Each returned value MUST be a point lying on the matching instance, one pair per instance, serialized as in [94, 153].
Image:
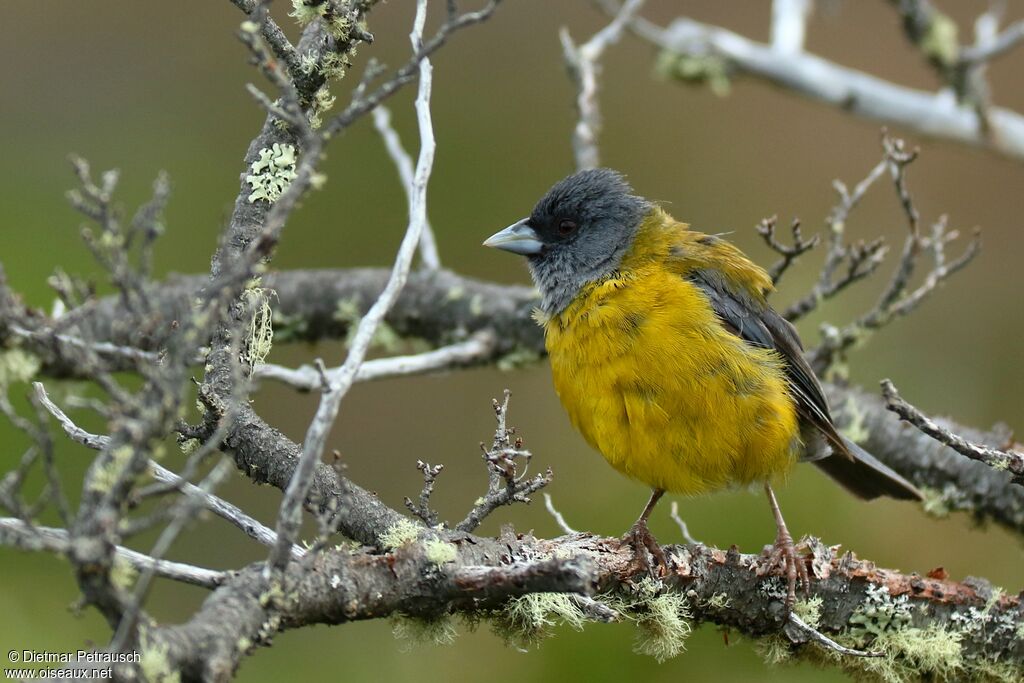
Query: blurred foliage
[141, 87]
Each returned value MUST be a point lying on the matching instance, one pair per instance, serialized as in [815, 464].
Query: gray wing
[856, 470]
[760, 325]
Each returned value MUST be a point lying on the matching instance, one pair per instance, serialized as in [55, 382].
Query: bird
[670, 361]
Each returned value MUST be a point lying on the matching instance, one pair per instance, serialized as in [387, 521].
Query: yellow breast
[663, 391]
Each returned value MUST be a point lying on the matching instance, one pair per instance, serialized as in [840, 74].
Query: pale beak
[519, 238]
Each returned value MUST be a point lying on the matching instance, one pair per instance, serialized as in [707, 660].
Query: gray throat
[559, 279]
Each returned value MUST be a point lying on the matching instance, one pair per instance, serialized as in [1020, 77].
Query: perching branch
[850, 601]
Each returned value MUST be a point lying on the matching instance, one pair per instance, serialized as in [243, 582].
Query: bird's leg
[639, 537]
[783, 553]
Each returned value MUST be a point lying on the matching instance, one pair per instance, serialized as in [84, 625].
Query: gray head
[577, 233]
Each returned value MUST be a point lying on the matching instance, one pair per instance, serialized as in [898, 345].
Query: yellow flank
[656, 384]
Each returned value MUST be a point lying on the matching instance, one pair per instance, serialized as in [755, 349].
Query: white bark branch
[220, 507]
[789, 24]
[338, 382]
[934, 114]
[18, 533]
[584, 66]
[307, 378]
[403, 162]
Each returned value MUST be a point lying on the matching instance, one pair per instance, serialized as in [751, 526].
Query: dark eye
[566, 227]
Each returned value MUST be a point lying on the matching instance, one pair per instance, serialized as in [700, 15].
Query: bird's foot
[640, 539]
[783, 556]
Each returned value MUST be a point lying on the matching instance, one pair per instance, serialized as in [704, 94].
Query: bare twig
[1001, 460]
[341, 380]
[862, 260]
[32, 537]
[766, 228]
[1008, 39]
[252, 527]
[505, 484]
[584, 66]
[423, 509]
[403, 162]
[811, 633]
[559, 519]
[272, 33]
[306, 378]
[684, 529]
[365, 101]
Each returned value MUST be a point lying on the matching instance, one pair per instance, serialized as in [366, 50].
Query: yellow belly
[665, 393]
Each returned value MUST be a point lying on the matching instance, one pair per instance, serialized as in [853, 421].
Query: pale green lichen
[335, 65]
[856, 429]
[662, 627]
[153, 661]
[340, 27]
[107, 474]
[17, 365]
[941, 42]
[272, 173]
[261, 327]
[774, 649]
[122, 573]
[718, 601]
[322, 102]
[528, 619]
[400, 533]
[939, 503]
[188, 446]
[348, 545]
[519, 357]
[710, 69]
[273, 595]
[913, 654]
[415, 631]
[809, 610]
[384, 337]
[304, 11]
[307, 63]
[476, 305]
[880, 612]
[439, 552]
[244, 645]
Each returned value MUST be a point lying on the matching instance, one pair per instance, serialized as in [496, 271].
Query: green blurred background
[143, 86]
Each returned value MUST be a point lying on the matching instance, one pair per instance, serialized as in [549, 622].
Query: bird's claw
[783, 556]
[640, 539]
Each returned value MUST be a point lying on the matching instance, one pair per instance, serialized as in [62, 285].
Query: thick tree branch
[998, 459]
[435, 303]
[849, 599]
[935, 114]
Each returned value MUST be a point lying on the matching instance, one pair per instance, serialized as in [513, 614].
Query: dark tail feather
[865, 476]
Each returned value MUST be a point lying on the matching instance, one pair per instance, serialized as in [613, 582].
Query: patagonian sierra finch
[669, 360]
